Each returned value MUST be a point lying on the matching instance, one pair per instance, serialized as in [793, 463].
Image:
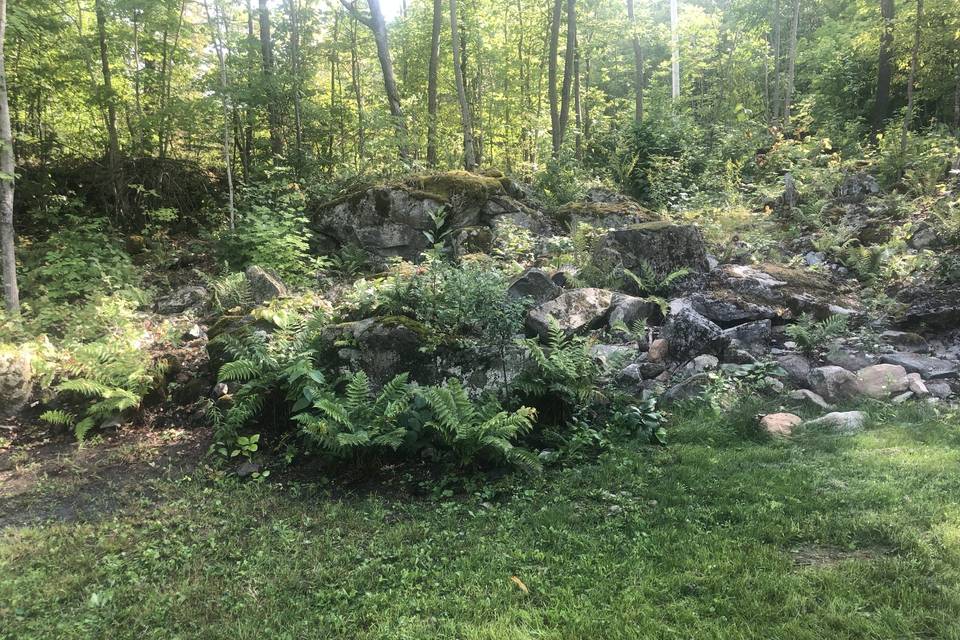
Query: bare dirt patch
[827, 556]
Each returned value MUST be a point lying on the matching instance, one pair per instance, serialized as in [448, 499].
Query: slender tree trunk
[881, 106]
[11, 293]
[334, 96]
[378, 26]
[956, 100]
[166, 81]
[293, 9]
[432, 82]
[266, 54]
[577, 106]
[586, 101]
[552, 95]
[914, 64]
[791, 64]
[777, 60]
[136, 82]
[214, 19]
[569, 52]
[249, 115]
[113, 142]
[469, 157]
[357, 93]
[674, 50]
[637, 64]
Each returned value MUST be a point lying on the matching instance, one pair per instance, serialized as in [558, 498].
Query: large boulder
[932, 308]
[574, 311]
[835, 384]
[753, 337]
[399, 219]
[15, 380]
[381, 347]
[856, 187]
[690, 334]
[789, 292]
[181, 300]
[727, 310]
[663, 246]
[628, 309]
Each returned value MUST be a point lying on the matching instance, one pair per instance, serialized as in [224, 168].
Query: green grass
[720, 535]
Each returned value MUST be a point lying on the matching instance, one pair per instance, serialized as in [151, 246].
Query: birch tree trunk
[552, 96]
[11, 293]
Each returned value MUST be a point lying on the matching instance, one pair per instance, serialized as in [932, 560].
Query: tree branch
[351, 8]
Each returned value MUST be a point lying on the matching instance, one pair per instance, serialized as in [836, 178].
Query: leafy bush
[272, 229]
[560, 182]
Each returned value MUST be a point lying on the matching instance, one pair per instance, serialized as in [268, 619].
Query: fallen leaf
[517, 581]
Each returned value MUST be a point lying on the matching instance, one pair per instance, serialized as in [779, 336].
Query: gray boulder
[15, 381]
[928, 367]
[850, 360]
[534, 284]
[690, 334]
[790, 292]
[797, 367]
[574, 311]
[882, 380]
[181, 300]
[932, 308]
[729, 310]
[264, 286]
[628, 309]
[809, 397]
[610, 354]
[688, 389]
[844, 422]
[753, 337]
[835, 384]
[855, 187]
[663, 246]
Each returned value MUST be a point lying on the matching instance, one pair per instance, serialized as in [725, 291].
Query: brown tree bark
[638, 70]
[266, 53]
[432, 83]
[914, 64]
[469, 157]
[568, 70]
[11, 293]
[881, 106]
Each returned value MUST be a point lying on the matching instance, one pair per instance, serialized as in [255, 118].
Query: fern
[475, 433]
[58, 417]
[648, 282]
[809, 334]
[230, 292]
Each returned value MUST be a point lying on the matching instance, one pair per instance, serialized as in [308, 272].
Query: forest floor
[719, 535]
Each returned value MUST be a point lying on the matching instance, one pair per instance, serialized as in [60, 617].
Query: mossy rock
[444, 186]
[604, 214]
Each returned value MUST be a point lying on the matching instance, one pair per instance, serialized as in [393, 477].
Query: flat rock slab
[928, 367]
[573, 311]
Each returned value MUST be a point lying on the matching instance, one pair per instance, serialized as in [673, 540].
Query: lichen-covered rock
[663, 246]
[690, 334]
[843, 422]
[606, 215]
[809, 397]
[726, 309]
[836, 384]
[855, 187]
[381, 347]
[935, 308]
[687, 389]
[628, 309]
[754, 337]
[397, 219]
[798, 368]
[789, 292]
[928, 367]
[15, 380]
[264, 286]
[181, 300]
[534, 284]
[574, 311]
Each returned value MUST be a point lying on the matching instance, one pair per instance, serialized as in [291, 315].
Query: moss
[442, 186]
[417, 327]
[656, 225]
[597, 210]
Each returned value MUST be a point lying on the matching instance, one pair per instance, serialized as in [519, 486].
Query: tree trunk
[469, 157]
[791, 64]
[166, 80]
[136, 83]
[113, 143]
[577, 105]
[777, 61]
[247, 159]
[881, 106]
[586, 101]
[432, 82]
[552, 95]
[293, 10]
[956, 101]
[674, 50]
[11, 293]
[214, 19]
[569, 52]
[914, 64]
[357, 93]
[637, 65]
[266, 53]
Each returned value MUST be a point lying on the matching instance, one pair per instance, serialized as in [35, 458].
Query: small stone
[264, 286]
[903, 397]
[247, 468]
[193, 333]
[658, 351]
[939, 389]
[773, 384]
[702, 363]
[805, 395]
[779, 424]
[219, 390]
[917, 386]
[834, 383]
[534, 284]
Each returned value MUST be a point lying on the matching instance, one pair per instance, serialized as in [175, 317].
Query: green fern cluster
[231, 291]
[100, 381]
[648, 282]
[809, 334]
[563, 374]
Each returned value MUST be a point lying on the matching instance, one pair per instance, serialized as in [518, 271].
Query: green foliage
[361, 420]
[648, 282]
[810, 334]
[562, 377]
[560, 182]
[272, 229]
[231, 291]
[643, 421]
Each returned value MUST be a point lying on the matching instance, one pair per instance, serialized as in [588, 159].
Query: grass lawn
[719, 535]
